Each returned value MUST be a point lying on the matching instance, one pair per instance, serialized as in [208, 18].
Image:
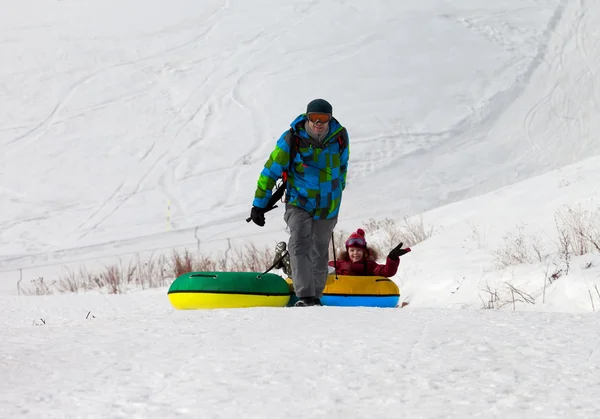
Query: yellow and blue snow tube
[356, 291]
[208, 290]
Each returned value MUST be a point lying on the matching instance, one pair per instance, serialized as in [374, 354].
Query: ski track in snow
[533, 141]
[39, 129]
[156, 155]
[463, 133]
[575, 35]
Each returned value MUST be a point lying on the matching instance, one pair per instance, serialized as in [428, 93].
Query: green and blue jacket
[317, 174]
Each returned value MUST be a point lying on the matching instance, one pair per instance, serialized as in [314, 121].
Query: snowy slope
[131, 126]
[457, 265]
[127, 126]
[134, 357]
[542, 117]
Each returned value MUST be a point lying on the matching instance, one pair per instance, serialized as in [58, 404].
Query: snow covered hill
[136, 126]
[132, 125]
[513, 239]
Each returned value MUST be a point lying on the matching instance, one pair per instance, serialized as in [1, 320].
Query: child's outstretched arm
[389, 269]
[392, 262]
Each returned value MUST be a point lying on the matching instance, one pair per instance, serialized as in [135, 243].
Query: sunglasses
[356, 242]
[315, 117]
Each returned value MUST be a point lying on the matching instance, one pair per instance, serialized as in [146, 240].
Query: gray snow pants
[309, 250]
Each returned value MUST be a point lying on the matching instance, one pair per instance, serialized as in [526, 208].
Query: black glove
[398, 251]
[258, 216]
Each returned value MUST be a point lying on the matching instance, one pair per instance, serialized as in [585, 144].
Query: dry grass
[409, 231]
[578, 233]
[580, 229]
[153, 272]
[495, 299]
[519, 248]
[162, 270]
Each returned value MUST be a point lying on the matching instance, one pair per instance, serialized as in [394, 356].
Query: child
[360, 260]
[357, 260]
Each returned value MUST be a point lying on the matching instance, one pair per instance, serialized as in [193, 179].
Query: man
[312, 157]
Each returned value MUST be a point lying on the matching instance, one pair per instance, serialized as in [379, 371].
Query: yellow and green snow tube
[209, 290]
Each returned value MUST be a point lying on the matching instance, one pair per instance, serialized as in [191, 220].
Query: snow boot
[308, 302]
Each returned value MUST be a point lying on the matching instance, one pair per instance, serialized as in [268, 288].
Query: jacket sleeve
[388, 270]
[277, 163]
[344, 161]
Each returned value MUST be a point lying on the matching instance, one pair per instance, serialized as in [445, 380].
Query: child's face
[355, 254]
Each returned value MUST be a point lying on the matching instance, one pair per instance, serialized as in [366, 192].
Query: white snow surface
[133, 127]
[133, 356]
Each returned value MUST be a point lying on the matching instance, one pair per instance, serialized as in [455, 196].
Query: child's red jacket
[367, 267]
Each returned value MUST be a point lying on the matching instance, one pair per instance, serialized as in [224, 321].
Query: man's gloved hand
[258, 216]
[398, 251]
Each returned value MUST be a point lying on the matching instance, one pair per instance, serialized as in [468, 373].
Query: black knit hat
[319, 106]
